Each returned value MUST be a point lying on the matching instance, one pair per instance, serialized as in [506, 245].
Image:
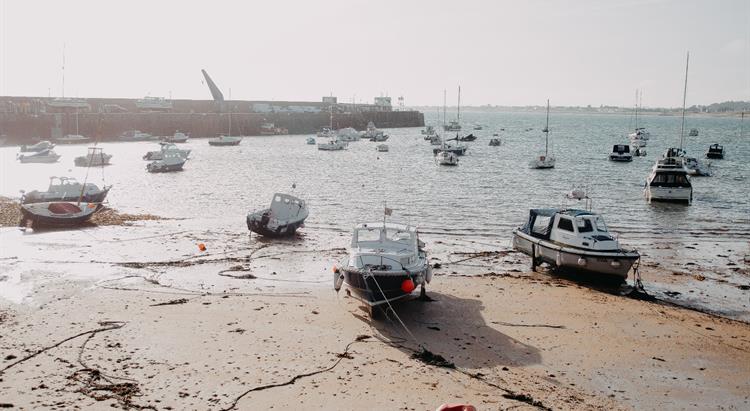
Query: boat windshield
[600, 226]
[584, 225]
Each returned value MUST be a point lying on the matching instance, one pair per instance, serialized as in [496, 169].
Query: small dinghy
[44, 156]
[171, 161]
[715, 151]
[621, 152]
[35, 148]
[67, 189]
[387, 261]
[57, 213]
[165, 147]
[286, 214]
[574, 239]
[95, 157]
[225, 141]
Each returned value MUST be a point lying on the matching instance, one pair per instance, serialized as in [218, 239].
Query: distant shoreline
[581, 110]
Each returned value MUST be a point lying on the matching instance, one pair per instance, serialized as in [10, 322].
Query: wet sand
[139, 317]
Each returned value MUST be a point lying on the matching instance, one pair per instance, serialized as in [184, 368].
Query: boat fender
[558, 259]
[428, 275]
[582, 262]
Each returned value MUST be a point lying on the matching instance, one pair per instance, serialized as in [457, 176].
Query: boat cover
[541, 219]
[63, 208]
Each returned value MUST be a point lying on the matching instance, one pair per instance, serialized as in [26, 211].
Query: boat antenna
[684, 99]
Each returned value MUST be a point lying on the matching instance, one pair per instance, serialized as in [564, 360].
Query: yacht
[40, 146]
[387, 262]
[170, 161]
[225, 141]
[621, 152]
[457, 149]
[574, 239]
[446, 158]
[177, 137]
[715, 151]
[669, 181]
[165, 147]
[286, 214]
[455, 125]
[546, 160]
[326, 132]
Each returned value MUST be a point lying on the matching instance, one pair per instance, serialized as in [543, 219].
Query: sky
[587, 52]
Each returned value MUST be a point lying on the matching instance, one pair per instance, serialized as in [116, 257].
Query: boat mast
[636, 110]
[546, 133]
[458, 108]
[63, 72]
[445, 94]
[684, 99]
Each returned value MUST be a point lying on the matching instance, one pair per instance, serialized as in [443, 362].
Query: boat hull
[164, 168]
[669, 194]
[364, 286]
[608, 263]
[223, 143]
[286, 230]
[41, 220]
[715, 156]
[614, 157]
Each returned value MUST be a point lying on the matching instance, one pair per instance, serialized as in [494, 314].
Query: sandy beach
[254, 324]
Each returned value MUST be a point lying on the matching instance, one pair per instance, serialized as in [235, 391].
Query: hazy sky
[500, 52]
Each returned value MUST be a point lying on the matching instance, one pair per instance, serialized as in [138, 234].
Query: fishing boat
[621, 152]
[311, 141]
[57, 213]
[165, 147]
[387, 261]
[67, 189]
[170, 161]
[494, 142]
[382, 148]
[332, 145]
[715, 151]
[177, 137]
[446, 158]
[136, 135]
[546, 160]
[669, 181]
[35, 148]
[95, 157]
[44, 156]
[225, 141]
[573, 239]
[286, 214]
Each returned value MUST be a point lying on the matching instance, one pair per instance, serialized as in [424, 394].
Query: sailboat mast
[63, 72]
[458, 108]
[546, 133]
[445, 102]
[636, 110]
[77, 133]
[684, 99]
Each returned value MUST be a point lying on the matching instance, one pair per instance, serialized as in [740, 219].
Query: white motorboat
[165, 147]
[387, 262]
[696, 167]
[35, 148]
[382, 148]
[446, 158]
[669, 181]
[640, 133]
[72, 139]
[67, 189]
[332, 145]
[136, 135]
[311, 141]
[621, 152]
[495, 142]
[573, 239]
[225, 141]
[286, 214]
[638, 151]
[348, 134]
[177, 137]
[546, 160]
[44, 156]
[95, 157]
[170, 161]
[457, 149]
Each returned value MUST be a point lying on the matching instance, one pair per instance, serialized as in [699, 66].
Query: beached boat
[546, 160]
[44, 156]
[446, 158]
[286, 214]
[170, 161]
[715, 151]
[177, 137]
[387, 261]
[95, 157]
[67, 189]
[35, 148]
[332, 145]
[382, 148]
[621, 152]
[669, 181]
[165, 147]
[573, 239]
[225, 141]
[57, 213]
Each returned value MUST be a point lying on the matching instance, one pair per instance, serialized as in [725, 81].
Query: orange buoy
[408, 285]
[202, 247]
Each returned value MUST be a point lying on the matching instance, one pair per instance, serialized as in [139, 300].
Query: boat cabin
[384, 247]
[285, 207]
[715, 151]
[621, 149]
[571, 227]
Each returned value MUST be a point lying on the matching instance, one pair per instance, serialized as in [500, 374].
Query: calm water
[487, 195]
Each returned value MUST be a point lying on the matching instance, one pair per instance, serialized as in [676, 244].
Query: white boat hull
[669, 194]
